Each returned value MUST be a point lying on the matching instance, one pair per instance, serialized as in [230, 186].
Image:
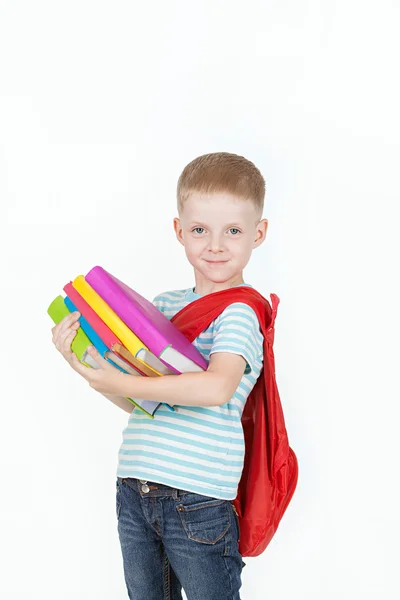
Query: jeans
[172, 538]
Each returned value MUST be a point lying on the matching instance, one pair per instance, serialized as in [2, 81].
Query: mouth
[216, 262]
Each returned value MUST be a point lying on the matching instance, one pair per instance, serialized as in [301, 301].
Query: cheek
[243, 249]
[191, 252]
[194, 247]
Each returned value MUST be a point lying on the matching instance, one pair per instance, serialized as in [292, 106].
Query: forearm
[189, 389]
[121, 402]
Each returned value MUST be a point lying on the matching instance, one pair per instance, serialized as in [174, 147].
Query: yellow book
[121, 330]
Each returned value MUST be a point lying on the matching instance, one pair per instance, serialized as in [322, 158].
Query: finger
[58, 328]
[97, 356]
[67, 341]
[67, 321]
[102, 362]
[64, 325]
[79, 367]
[64, 344]
[64, 334]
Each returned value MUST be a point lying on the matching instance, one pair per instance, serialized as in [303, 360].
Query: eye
[234, 230]
[198, 230]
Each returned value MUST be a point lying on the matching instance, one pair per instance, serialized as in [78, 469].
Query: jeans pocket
[118, 499]
[205, 520]
[237, 520]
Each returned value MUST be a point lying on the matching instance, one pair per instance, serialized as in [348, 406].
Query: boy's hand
[106, 379]
[64, 333]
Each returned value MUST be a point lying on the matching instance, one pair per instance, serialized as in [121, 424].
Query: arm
[193, 389]
[234, 347]
[213, 387]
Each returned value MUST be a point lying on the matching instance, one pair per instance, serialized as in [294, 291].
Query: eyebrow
[228, 226]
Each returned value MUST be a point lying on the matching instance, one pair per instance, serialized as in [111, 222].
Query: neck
[205, 286]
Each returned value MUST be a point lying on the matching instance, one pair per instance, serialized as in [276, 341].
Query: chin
[217, 275]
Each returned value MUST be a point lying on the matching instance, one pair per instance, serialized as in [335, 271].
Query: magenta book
[153, 328]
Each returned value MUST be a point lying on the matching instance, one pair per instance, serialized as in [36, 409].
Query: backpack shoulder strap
[197, 316]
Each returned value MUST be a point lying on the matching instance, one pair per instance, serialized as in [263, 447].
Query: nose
[216, 244]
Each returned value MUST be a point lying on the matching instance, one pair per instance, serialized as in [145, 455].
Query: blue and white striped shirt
[198, 449]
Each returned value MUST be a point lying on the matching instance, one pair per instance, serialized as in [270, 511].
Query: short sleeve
[160, 302]
[156, 301]
[170, 302]
[237, 330]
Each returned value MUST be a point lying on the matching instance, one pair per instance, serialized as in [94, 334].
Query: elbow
[223, 393]
[217, 389]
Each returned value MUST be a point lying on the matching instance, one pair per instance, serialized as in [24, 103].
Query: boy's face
[219, 232]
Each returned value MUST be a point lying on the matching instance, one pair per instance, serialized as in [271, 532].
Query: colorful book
[129, 339]
[149, 406]
[57, 310]
[133, 362]
[105, 334]
[120, 351]
[96, 341]
[154, 329]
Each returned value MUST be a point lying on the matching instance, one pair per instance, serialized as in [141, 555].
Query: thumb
[95, 354]
[92, 351]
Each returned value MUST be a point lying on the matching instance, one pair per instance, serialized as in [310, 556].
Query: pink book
[152, 327]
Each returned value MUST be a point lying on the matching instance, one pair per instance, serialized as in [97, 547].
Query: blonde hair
[222, 172]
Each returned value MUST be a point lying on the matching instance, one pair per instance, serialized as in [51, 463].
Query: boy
[178, 474]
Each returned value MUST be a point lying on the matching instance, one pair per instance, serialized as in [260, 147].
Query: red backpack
[270, 471]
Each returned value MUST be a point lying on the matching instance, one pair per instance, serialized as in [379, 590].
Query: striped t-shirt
[198, 449]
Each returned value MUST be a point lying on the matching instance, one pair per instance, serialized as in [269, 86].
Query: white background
[102, 104]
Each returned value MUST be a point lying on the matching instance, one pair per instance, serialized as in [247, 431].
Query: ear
[261, 233]
[178, 230]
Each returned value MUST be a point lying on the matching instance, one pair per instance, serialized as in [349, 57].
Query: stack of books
[136, 336]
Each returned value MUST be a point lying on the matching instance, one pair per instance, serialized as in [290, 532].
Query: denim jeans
[172, 538]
